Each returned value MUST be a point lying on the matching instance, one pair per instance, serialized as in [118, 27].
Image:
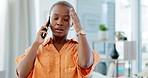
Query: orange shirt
[50, 63]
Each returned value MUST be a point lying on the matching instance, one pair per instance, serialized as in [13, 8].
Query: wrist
[81, 32]
[36, 43]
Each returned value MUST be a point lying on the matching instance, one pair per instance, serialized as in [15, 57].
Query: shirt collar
[49, 40]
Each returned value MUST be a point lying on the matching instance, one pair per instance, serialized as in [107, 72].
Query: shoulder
[72, 45]
[72, 41]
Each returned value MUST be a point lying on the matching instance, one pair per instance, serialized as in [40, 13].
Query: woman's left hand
[75, 20]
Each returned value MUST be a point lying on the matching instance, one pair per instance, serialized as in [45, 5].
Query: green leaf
[102, 27]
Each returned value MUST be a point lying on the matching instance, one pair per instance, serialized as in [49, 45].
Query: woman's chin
[59, 35]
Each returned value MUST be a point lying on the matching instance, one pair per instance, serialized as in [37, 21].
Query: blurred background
[21, 19]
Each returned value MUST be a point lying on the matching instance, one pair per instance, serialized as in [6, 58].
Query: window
[123, 17]
[144, 24]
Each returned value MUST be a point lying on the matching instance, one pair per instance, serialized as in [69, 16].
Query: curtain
[2, 14]
[19, 32]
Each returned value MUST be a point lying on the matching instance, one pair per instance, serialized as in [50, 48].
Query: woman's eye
[55, 18]
[65, 19]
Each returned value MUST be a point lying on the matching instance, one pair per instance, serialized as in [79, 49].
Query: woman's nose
[60, 22]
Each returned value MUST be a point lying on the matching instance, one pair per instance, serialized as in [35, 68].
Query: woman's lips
[59, 30]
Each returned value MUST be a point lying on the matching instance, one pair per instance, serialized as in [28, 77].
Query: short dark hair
[61, 3]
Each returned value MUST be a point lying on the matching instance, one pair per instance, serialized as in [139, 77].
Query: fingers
[74, 15]
[45, 28]
[75, 19]
[41, 32]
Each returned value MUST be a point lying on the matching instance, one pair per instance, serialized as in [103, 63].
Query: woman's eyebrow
[63, 15]
[66, 15]
[55, 14]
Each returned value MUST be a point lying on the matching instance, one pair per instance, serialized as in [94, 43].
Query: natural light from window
[123, 23]
[144, 24]
[123, 17]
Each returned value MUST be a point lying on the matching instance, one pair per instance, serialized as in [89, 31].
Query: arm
[85, 55]
[27, 63]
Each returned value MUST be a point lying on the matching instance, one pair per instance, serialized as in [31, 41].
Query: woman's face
[60, 20]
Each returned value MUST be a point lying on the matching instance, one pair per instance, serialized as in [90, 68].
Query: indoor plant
[102, 32]
[102, 27]
[120, 35]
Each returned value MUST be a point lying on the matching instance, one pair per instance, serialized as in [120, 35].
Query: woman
[58, 57]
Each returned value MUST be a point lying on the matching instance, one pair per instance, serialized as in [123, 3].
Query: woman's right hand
[43, 30]
[27, 63]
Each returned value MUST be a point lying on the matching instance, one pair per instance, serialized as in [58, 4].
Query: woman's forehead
[60, 10]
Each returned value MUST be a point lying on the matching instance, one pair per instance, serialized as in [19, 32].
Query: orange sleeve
[18, 59]
[86, 72]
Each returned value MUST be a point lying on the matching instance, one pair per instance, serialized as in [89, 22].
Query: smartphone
[43, 35]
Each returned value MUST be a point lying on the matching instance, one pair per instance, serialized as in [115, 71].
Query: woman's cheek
[51, 28]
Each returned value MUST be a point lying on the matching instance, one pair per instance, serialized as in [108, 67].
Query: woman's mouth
[59, 30]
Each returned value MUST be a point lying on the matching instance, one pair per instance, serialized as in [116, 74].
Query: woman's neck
[59, 40]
